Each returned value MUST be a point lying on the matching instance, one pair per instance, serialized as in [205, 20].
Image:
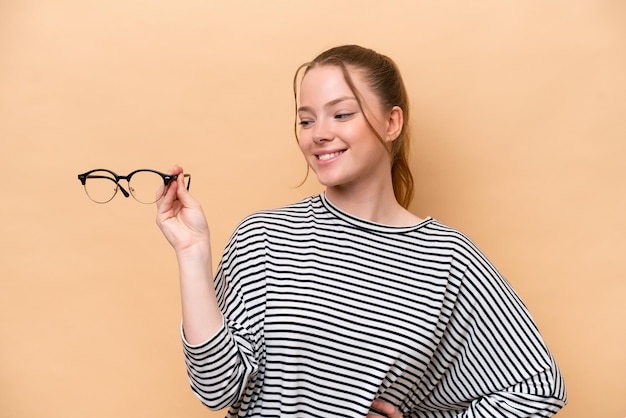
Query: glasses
[146, 186]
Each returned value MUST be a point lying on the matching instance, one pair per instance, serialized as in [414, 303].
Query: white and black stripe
[324, 312]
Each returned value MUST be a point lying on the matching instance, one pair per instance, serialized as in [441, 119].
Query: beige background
[520, 129]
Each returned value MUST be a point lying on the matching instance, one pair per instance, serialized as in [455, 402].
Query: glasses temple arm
[185, 176]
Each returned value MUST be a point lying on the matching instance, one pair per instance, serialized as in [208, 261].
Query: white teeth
[324, 157]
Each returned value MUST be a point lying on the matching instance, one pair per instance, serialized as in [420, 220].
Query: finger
[387, 409]
[176, 169]
[180, 179]
[167, 199]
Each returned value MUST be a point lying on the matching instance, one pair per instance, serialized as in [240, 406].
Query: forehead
[328, 82]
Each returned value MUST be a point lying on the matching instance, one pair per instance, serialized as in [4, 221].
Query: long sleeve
[220, 369]
[492, 360]
[542, 395]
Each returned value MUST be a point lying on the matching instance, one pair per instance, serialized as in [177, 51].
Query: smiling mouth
[324, 157]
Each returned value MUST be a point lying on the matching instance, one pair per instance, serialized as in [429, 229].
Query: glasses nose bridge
[124, 191]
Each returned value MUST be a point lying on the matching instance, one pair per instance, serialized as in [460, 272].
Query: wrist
[196, 254]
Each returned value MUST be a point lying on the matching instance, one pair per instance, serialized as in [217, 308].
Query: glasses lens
[100, 186]
[146, 186]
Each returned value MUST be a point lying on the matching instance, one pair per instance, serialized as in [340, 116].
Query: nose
[321, 133]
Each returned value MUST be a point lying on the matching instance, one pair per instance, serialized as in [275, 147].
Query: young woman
[346, 304]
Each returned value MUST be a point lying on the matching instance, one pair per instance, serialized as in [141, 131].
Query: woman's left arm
[541, 395]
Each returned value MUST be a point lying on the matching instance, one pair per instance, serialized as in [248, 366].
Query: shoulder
[291, 215]
[483, 283]
[460, 246]
[437, 232]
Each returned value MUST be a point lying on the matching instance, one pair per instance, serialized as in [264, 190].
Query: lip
[328, 156]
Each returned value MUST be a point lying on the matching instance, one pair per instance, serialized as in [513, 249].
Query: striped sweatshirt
[324, 312]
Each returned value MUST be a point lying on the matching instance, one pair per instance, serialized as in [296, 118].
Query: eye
[343, 116]
[305, 123]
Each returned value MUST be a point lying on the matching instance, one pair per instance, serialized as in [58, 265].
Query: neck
[375, 205]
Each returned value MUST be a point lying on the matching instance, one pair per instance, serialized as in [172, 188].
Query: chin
[331, 178]
[326, 182]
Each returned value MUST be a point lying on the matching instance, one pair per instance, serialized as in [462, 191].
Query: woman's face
[334, 136]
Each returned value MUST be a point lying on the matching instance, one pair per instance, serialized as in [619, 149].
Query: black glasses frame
[167, 179]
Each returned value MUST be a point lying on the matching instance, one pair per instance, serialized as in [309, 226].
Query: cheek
[304, 143]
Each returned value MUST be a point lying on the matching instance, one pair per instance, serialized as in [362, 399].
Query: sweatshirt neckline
[369, 225]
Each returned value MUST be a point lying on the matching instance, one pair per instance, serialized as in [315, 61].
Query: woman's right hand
[180, 216]
[183, 223]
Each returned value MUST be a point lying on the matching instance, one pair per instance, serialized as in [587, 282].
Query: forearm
[200, 312]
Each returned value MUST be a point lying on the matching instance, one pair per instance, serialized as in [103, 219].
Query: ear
[395, 121]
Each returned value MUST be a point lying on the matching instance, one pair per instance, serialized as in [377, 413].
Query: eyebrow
[329, 104]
